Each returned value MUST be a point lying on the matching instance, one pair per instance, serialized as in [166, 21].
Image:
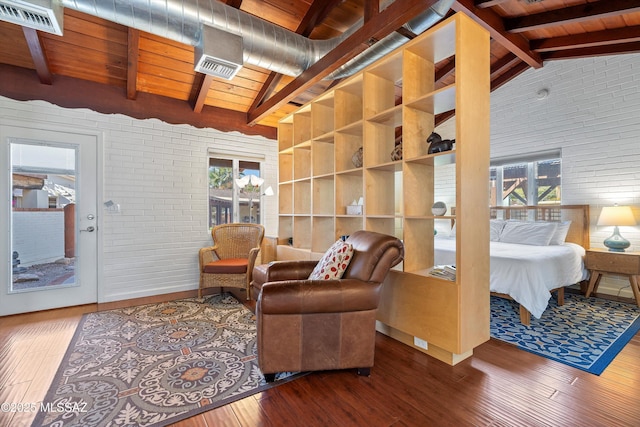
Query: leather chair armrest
[318, 296]
[288, 270]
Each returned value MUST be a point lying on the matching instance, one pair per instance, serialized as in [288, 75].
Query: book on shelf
[447, 272]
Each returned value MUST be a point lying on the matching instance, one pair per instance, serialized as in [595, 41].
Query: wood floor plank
[499, 386]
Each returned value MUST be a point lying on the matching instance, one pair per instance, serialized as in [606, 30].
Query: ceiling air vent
[218, 53]
[43, 15]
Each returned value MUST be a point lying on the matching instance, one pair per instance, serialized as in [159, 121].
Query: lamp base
[616, 243]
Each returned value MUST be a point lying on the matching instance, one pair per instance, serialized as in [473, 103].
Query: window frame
[236, 191]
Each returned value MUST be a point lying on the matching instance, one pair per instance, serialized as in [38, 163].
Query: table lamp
[616, 216]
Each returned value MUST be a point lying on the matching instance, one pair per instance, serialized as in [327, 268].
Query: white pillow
[495, 228]
[334, 262]
[528, 233]
[562, 228]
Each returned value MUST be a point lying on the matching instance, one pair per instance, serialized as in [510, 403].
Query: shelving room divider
[318, 180]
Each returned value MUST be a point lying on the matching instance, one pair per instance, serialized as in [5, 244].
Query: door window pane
[220, 192]
[43, 182]
[250, 192]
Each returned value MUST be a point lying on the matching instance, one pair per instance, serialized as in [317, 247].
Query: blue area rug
[586, 333]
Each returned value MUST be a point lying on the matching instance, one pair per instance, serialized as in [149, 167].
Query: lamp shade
[616, 215]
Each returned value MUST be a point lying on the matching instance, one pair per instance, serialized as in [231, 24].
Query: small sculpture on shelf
[438, 145]
[396, 154]
[356, 159]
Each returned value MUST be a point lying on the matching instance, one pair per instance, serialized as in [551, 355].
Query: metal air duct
[265, 45]
[417, 25]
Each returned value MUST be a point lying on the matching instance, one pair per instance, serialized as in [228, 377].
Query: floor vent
[40, 15]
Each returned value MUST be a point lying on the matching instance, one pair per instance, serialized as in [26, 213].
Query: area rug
[586, 333]
[156, 364]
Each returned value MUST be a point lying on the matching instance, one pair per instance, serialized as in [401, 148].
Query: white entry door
[49, 218]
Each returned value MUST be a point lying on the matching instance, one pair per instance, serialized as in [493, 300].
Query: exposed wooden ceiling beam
[596, 38]
[38, 55]
[17, 83]
[201, 86]
[316, 13]
[379, 26]
[233, 3]
[572, 14]
[495, 25]
[371, 9]
[509, 75]
[505, 63]
[448, 69]
[593, 51]
[133, 43]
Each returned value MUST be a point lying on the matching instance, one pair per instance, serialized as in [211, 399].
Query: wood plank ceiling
[110, 68]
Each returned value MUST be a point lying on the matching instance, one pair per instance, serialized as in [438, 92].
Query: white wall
[157, 173]
[38, 236]
[592, 114]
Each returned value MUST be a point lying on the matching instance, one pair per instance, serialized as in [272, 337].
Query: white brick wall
[157, 173]
[592, 114]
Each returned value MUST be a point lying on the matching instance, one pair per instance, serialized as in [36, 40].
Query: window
[532, 181]
[230, 199]
[220, 191]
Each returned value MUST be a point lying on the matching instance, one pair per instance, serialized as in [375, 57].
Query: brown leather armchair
[315, 325]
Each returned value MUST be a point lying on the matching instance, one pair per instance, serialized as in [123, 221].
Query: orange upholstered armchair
[313, 325]
[229, 262]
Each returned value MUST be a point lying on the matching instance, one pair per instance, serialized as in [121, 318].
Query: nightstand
[623, 263]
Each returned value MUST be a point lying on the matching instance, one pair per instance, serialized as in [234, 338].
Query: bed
[535, 250]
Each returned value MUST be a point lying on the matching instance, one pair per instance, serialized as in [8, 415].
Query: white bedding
[525, 272]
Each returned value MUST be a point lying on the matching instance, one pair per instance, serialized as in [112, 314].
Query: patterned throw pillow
[334, 262]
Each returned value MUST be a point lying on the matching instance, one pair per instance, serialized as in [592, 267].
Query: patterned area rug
[156, 364]
[586, 333]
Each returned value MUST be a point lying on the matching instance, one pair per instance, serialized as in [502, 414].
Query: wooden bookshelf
[318, 179]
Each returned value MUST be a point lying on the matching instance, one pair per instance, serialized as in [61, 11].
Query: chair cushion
[227, 266]
[334, 262]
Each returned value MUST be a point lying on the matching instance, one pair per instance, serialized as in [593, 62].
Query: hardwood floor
[499, 386]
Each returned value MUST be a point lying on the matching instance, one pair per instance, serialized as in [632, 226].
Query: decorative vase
[439, 208]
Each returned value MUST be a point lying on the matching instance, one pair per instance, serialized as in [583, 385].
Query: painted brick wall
[157, 173]
[592, 114]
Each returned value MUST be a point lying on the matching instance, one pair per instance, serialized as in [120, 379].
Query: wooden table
[600, 261]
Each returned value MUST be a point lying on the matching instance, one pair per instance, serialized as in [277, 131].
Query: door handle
[90, 229]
